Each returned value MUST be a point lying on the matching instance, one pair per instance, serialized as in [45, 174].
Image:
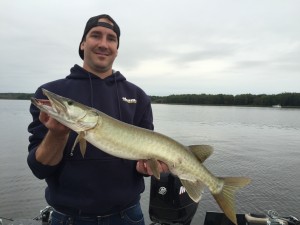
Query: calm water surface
[261, 143]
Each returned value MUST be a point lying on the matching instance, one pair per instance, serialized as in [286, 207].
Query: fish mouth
[57, 102]
[55, 105]
[66, 111]
[43, 106]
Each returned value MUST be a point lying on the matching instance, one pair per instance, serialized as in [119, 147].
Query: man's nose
[103, 43]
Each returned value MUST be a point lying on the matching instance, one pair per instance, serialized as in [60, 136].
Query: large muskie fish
[130, 142]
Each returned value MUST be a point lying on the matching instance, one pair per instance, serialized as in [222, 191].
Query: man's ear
[82, 46]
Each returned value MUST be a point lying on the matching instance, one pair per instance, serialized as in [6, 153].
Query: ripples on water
[261, 143]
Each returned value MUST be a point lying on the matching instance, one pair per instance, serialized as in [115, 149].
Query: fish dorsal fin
[202, 152]
[194, 189]
[154, 166]
[82, 143]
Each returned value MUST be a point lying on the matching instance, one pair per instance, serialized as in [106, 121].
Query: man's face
[100, 49]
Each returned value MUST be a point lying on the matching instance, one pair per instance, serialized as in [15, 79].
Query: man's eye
[111, 38]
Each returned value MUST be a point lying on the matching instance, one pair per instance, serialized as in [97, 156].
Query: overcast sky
[166, 46]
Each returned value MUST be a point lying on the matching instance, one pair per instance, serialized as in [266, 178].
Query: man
[98, 188]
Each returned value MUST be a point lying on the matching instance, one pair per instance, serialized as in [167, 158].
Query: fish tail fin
[225, 198]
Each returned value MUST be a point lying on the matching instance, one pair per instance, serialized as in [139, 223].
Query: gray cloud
[198, 46]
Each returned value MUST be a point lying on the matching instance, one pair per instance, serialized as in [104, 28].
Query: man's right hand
[53, 125]
[50, 151]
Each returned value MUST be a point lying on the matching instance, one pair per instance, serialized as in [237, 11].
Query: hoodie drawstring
[92, 91]
[117, 92]
[118, 97]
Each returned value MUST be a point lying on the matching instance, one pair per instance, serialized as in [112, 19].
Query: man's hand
[143, 167]
[53, 125]
[50, 151]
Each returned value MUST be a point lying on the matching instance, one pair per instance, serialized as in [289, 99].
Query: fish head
[72, 114]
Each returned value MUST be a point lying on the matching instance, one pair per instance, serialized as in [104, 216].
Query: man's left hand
[143, 167]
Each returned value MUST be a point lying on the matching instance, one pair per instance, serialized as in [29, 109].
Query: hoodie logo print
[130, 101]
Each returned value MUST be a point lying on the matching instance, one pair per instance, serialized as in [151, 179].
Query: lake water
[260, 143]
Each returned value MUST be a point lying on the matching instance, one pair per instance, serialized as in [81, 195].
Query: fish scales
[138, 145]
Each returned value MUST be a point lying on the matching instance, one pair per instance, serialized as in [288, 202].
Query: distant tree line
[17, 96]
[283, 99]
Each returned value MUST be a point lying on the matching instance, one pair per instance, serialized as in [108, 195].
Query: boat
[173, 206]
[276, 106]
[211, 218]
[270, 218]
[170, 204]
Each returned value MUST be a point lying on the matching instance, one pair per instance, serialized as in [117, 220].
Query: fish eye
[70, 102]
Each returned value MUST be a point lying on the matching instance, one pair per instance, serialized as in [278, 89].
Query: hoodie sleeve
[38, 132]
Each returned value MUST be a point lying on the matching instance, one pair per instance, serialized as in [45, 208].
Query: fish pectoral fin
[194, 189]
[82, 143]
[202, 152]
[154, 166]
[225, 198]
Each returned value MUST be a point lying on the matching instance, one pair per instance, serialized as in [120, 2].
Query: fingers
[143, 166]
[53, 125]
[43, 117]
[164, 167]
[44, 101]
